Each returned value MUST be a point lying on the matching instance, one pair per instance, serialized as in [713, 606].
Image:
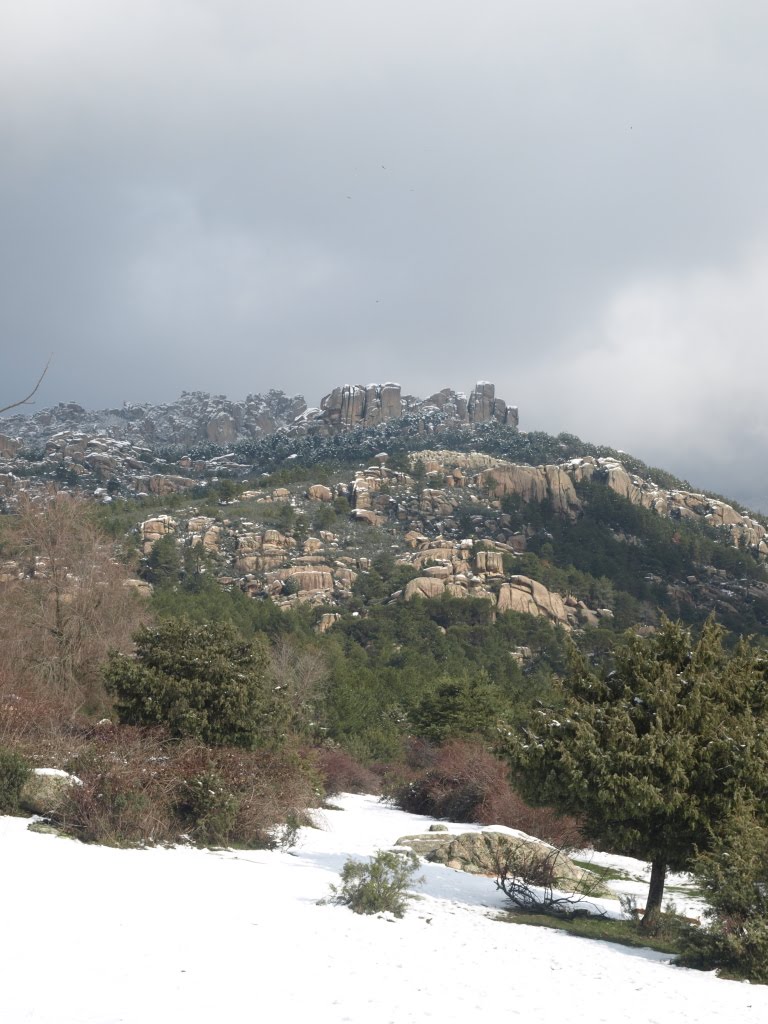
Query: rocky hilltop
[198, 418]
[466, 504]
[194, 418]
[354, 405]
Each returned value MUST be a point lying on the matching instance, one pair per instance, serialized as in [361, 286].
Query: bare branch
[530, 876]
[26, 401]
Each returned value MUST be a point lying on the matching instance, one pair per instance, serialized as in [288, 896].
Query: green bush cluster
[733, 875]
[379, 886]
[207, 809]
[203, 682]
[14, 771]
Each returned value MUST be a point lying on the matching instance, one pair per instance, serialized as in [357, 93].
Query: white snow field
[92, 935]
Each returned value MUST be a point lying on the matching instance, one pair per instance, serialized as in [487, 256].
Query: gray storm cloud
[568, 199]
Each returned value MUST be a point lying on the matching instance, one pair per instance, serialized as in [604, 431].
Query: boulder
[425, 845]
[344, 577]
[483, 853]
[366, 515]
[46, 789]
[319, 492]
[522, 594]
[152, 530]
[489, 561]
[423, 586]
[438, 571]
[140, 587]
[162, 484]
[326, 622]
[276, 539]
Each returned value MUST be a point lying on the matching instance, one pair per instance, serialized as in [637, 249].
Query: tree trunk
[652, 913]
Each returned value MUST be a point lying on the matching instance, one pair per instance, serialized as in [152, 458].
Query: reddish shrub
[342, 773]
[467, 783]
[141, 788]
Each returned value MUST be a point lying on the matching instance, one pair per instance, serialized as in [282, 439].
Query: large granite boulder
[319, 492]
[46, 789]
[522, 594]
[484, 853]
[423, 586]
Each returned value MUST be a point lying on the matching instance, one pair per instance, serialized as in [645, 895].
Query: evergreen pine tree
[733, 875]
[204, 682]
[653, 755]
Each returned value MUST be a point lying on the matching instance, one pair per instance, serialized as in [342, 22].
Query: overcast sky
[567, 198]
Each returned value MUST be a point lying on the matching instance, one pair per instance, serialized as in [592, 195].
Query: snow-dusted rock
[46, 789]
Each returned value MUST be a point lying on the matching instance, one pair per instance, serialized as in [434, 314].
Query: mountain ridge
[198, 416]
[446, 469]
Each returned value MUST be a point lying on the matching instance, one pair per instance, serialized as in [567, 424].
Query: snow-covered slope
[98, 936]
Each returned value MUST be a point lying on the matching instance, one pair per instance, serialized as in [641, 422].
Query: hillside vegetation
[361, 611]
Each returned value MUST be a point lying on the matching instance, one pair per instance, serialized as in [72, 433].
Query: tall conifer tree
[653, 754]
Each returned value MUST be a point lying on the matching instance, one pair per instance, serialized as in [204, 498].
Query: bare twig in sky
[25, 401]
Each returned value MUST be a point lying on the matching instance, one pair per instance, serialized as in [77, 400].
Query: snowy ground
[97, 936]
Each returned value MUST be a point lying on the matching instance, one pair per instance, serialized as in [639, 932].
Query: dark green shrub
[14, 771]
[734, 878]
[204, 682]
[380, 886]
[458, 709]
[208, 809]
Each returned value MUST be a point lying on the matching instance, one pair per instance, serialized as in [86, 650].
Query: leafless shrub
[342, 773]
[142, 788]
[299, 672]
[465, 782]
[530, 876]
[66, 607]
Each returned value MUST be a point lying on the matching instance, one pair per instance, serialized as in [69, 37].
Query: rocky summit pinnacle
[358, 405]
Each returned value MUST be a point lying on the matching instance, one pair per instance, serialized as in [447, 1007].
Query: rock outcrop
[525, 595]
[193, 418]
[532, 484]
[359, 405]
[487, 853]
[464, 569]
[741, 530]
[355, 405]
